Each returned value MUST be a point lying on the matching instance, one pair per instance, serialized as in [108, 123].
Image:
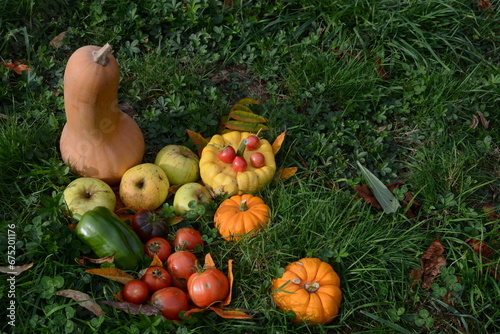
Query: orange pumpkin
[240, 215]
[310, 288]
[98, 139]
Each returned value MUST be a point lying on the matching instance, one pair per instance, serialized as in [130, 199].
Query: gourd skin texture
[98, 139]
[310, 288]
[221, 177]
[233, 223]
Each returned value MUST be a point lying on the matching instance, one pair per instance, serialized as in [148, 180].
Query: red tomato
[158, 246]
[187, 238]
[170, 301]
[148, 225]
[156, 278]
[227, 154]
[239, 164]
[181, 265]
[253, 143]
[135, 291]
[257, 159]
[207, 287]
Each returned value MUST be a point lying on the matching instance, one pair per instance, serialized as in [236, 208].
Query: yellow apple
[190, 192]
[86, 193]
[144, 186]
[179, 163]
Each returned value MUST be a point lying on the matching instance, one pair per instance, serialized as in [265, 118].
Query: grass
[393, 84]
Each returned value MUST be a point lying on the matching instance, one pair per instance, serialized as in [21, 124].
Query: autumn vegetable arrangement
[116, 203]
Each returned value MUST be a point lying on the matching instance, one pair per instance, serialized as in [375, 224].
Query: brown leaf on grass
[484, 121]
[85, 260]
[489, 210]
[474, 123]
[485, 5]
[135, 309]
[381, 70]
[57, 41]
[83, 300]
[412, 206]
[484, 252]
[366, 193]
[113, 274]
[480, 247]
[15, 270]
[431, 263]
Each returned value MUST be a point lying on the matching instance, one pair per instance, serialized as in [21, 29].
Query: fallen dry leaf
[278, 142]
[484, 252]
[431, 263]
[57, 41]
[412, 206]
[135, 309]
[113, 274]
[479, 247]
[15, 270]
[83, 300]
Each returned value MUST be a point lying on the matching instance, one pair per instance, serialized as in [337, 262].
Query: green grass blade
[386, 199]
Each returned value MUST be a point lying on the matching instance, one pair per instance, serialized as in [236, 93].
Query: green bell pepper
[106, 234]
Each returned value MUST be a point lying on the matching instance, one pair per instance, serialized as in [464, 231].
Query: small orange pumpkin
[239, 215]
[98, 139]
[310, 288]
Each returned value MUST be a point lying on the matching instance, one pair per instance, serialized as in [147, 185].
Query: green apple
[86, 193]
[179, 163]
[144, 186]
[190, 192]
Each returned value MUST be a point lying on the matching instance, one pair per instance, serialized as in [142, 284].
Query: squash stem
[311, 286]
[243, 205]
[101, 55]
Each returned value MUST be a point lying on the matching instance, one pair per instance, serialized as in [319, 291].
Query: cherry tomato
[207, 287]
[239, 164]
[160, 247]
[257, 159]
[253, 143]
[187, 238]
[170, 301]
[156, 278]
[148, 225]
[181, 265]
[227, 154]
[135, 291]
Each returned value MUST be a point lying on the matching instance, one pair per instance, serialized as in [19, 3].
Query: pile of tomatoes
[229, 155]
[179, 280]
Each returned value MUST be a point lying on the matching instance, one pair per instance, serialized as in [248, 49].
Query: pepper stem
[101, 55]
[243, 205]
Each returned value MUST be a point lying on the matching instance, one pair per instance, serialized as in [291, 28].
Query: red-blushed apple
[86, 193]
[179, 163]
[190, 192]
[144, 186]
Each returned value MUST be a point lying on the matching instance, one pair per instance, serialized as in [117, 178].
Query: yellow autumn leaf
[278, 142]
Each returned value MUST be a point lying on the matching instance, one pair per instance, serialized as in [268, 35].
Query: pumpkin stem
[101, 55]
[311, 286]
[243, 205]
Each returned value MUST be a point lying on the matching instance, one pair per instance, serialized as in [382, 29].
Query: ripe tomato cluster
[229, 155]
[179, 282]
